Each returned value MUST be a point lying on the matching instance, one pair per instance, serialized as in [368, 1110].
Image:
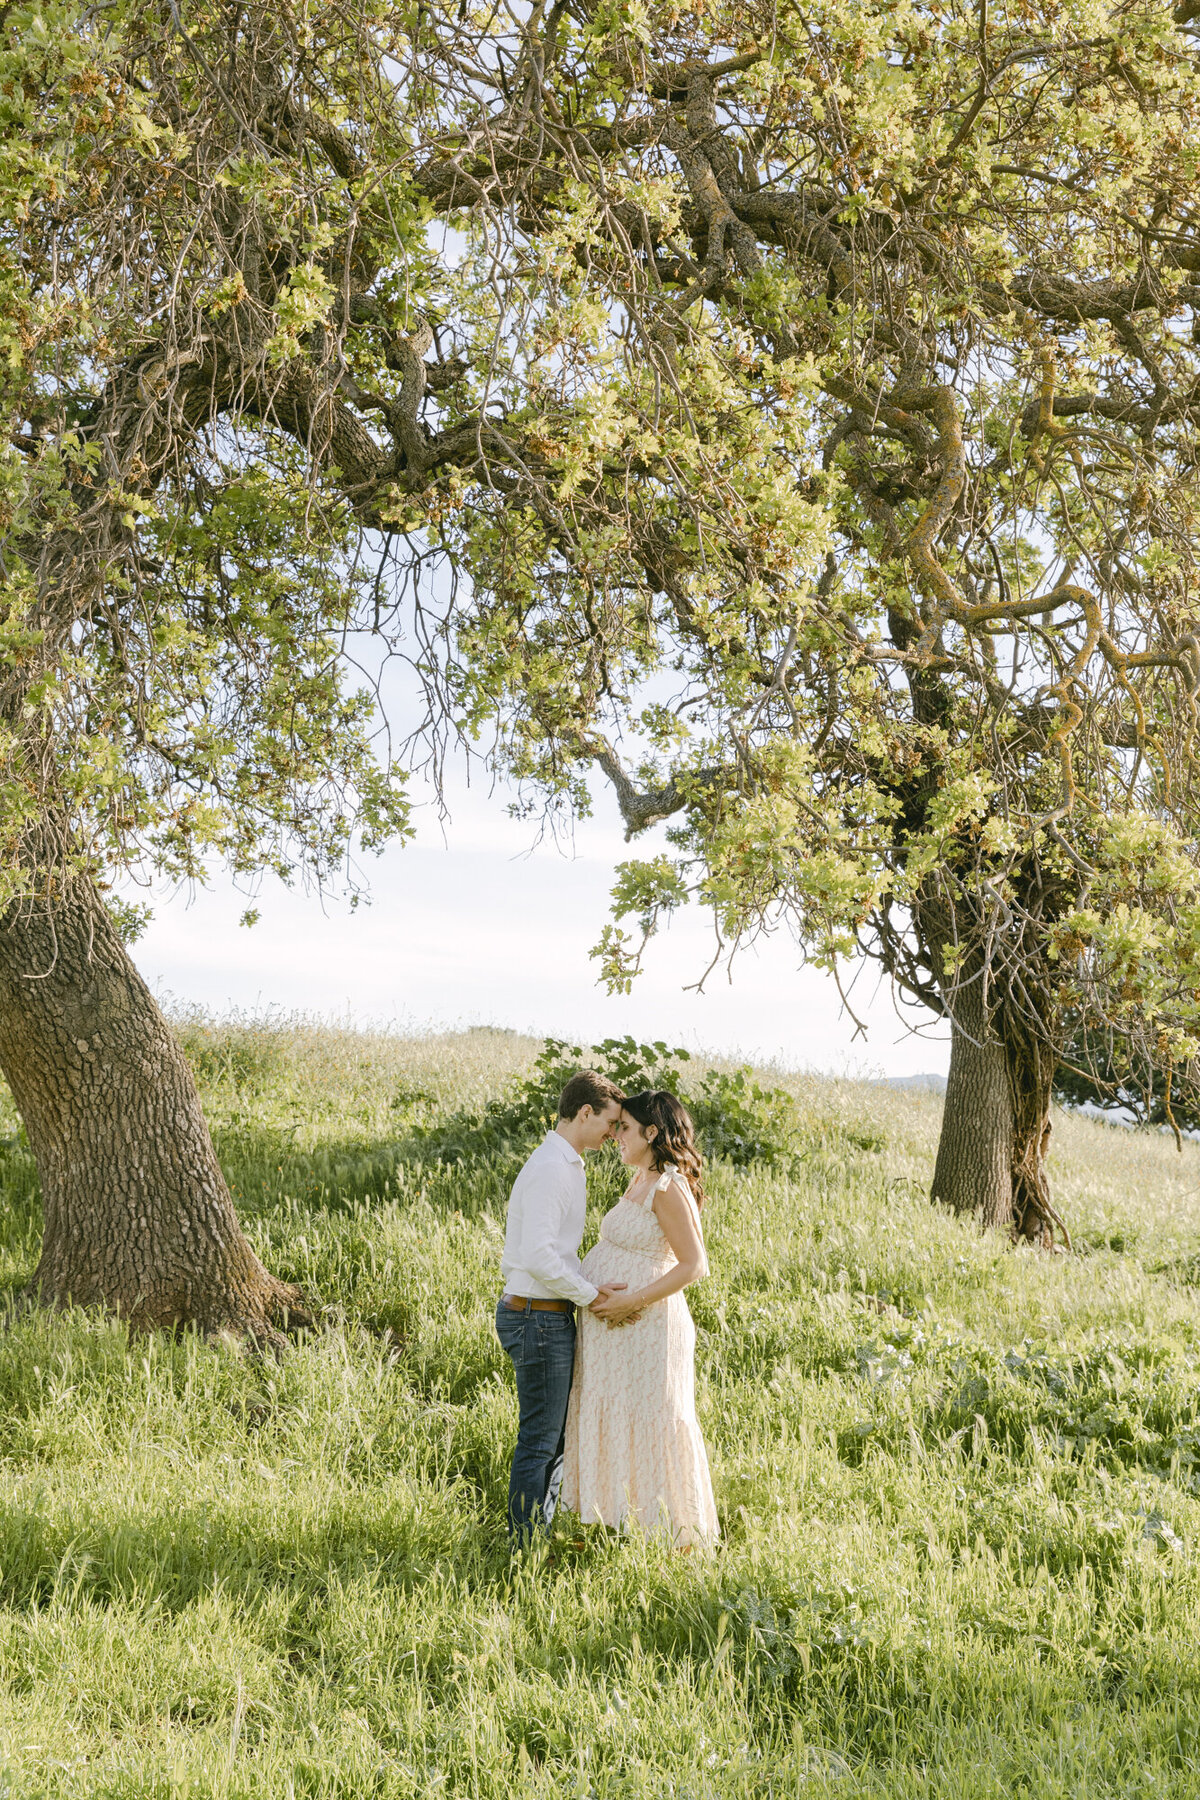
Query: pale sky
[475, 925]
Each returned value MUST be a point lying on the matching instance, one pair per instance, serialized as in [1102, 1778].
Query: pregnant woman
[634, 1454]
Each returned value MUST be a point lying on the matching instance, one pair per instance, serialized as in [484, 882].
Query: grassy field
[959, 1485]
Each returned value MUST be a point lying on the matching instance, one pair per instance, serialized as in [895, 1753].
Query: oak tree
[805, 402]
[851, 351]
[189, 239]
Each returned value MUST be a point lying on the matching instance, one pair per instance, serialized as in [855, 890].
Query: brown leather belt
[518, 1305]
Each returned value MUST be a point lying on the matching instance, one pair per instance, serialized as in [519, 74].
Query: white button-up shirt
[546, 1216]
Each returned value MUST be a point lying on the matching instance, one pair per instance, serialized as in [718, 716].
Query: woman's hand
[617, 1309]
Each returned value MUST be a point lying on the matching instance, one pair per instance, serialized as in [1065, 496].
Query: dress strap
[669, 1174]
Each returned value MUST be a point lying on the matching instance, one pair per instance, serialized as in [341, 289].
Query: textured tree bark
[1031, 1082]
[991, 1160]
[973, 1172]
[137, 1214]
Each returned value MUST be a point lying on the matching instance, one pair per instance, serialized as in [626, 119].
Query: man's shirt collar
[569, 1154]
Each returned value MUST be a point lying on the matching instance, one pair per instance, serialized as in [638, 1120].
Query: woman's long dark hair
[675, 1135]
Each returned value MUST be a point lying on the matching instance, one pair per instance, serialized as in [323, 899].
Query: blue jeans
[541, 1348]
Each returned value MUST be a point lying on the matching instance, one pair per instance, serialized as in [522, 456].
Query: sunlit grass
[959, 1485]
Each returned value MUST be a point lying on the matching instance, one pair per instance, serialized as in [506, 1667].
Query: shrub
[741, 1122]
[736, 1119]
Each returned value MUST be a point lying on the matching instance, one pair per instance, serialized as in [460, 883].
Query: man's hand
[616, 1308]
[605, 1292]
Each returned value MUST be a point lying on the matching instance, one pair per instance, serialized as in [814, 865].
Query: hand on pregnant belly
[616, 1308]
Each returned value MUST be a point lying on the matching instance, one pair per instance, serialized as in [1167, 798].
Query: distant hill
[928, 1083]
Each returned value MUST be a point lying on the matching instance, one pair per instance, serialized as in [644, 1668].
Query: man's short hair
[587, 1089]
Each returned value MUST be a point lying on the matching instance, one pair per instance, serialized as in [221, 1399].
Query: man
[535, 1320]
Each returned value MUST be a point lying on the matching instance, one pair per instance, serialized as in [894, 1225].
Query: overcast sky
[474, 925]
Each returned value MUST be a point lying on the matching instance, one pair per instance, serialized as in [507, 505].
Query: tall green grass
[959, 1485]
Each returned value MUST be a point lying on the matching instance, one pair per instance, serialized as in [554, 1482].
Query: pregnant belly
[607, 1261]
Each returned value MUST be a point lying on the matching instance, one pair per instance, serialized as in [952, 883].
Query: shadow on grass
[264, 1168]
[173, 1558]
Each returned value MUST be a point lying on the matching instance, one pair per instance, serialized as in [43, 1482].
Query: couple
[604, 1350]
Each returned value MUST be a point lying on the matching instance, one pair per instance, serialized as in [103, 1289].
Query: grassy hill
[960, 1485]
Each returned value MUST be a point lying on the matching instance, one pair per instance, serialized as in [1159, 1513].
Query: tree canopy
[807, 395]
[881, 323]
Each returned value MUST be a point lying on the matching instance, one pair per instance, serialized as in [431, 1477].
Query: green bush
[736, 1119]
[741, 1122]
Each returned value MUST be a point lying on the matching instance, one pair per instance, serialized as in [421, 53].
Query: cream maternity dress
[634, 1455]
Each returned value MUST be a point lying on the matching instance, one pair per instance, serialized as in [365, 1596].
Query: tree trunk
[973, 1172]
[137, 1214]
[1031, 1065]
[991, 1160]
